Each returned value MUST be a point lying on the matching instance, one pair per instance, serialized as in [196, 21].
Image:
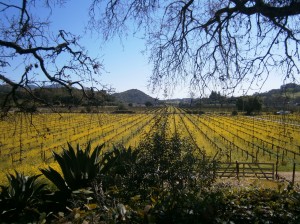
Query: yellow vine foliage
[27, 141]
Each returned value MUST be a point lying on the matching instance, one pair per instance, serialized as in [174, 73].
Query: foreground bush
[258, 205]
[21, 199]
[79, 168]
[163, 180]
[168, 175]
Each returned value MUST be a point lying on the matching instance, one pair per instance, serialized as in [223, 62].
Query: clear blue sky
[125, 66]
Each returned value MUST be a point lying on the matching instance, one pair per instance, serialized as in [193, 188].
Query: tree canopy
[249, 104]
[209, 43]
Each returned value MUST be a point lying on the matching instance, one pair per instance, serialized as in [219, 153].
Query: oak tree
[34, 55]
[209, 43]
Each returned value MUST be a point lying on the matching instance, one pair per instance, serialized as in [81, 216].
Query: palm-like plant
[79, 167]
[21, 197]
[119, 161]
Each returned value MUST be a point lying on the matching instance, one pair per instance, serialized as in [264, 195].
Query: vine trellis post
[20, 138]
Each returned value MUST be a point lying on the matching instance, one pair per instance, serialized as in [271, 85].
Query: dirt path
[289, 176]
[246, 182]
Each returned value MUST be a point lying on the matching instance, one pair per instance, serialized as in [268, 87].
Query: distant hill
[58, 95]
[134, 96]
[287, 95]
[287, 89]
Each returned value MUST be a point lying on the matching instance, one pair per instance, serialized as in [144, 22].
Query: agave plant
[119, 161]
[79, 167]
[21, 197]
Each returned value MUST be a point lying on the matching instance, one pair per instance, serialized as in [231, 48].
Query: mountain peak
[133, 96]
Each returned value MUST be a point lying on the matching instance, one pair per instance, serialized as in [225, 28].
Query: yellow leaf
[91, 206]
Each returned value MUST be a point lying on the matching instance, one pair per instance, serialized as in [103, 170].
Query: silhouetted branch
[211, 43]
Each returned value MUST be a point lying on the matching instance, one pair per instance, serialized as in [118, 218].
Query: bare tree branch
[211, 43]
[30, 54]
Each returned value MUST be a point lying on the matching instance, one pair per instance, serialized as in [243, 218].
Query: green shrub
[259, 205]
[168, 174]
[79, 168]
[234, 113]
[21, 198]
[178, 174]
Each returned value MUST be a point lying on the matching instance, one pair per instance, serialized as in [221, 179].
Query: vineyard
[27, 141]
